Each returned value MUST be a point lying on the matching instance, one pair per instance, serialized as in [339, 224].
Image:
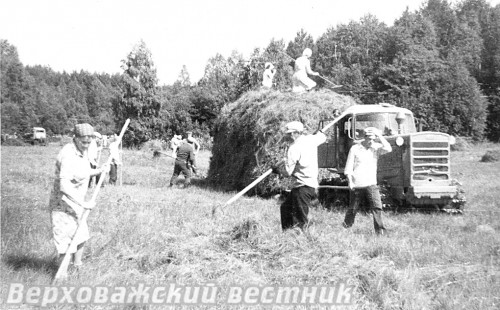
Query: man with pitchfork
[301, 164]
[301, 82]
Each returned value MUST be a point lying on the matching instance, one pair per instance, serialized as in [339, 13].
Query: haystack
[249, 135]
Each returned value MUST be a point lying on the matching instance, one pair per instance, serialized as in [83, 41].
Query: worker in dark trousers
[301, 164]
[184, 161]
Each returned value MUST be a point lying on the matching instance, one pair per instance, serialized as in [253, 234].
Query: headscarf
[83, 130]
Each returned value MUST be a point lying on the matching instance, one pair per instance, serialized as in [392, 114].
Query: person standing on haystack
[361, 172]
[301, 81]
[184, 162]
[267, 78]
[114, 153]
[301, 164]
[67, 200]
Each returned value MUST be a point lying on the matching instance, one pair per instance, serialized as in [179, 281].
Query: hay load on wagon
[249, 136]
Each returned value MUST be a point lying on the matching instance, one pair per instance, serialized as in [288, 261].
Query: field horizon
[145, 232]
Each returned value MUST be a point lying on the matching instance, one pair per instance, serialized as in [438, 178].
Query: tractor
[416, 174]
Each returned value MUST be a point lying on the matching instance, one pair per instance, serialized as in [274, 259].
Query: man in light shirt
[301, 164]
[361, 172]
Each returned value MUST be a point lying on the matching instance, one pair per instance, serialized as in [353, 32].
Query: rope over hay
[249, 135]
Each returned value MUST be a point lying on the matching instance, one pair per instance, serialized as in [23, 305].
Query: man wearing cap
[361, 172]
[67, 199]
[184, 161]
[301, 164]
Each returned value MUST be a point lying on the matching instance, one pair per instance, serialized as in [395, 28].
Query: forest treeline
[441, 61]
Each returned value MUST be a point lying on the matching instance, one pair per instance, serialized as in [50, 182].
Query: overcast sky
[95, 35]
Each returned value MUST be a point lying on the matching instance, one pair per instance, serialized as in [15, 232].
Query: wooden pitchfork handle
[63, 268]
[243, 191]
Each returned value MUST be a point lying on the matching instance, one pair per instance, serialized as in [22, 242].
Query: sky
[95, 35]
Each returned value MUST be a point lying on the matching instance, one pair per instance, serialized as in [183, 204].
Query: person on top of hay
[114, 153]
[301, 82]
[175, 142]
[301, 163]
[67, 200]
[361, 172]
[267, 78]
[184, 162]
[94, 153]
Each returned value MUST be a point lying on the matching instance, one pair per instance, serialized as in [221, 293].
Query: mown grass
[145, 232]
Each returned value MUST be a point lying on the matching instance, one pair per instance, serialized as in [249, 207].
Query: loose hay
[491, 156]
[249, 135]
[246, 229]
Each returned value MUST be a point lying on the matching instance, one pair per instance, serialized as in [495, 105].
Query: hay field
[144, 232]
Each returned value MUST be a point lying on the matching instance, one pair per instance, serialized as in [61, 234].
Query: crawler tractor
[416, 174]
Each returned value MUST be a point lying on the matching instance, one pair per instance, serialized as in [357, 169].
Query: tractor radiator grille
[430, 160]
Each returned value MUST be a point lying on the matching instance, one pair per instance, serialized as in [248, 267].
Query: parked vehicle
[36, 136]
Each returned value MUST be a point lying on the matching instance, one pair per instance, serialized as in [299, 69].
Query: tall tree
[139, 100]
[301, 41]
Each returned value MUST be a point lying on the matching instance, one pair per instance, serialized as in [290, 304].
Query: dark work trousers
[96, 177]
[372, 195]
[181, 166]
[295, 208]
[113, 173]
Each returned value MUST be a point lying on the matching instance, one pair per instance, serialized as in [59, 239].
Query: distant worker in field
[94, 153]
[267, 78]
[361, 172]
[67, 200]
[114, 154]
[301, 82]
[184, 162]
[196, 144]
[301, 164]
[175, 142]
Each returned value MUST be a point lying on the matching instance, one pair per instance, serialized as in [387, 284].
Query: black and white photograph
[277, 154]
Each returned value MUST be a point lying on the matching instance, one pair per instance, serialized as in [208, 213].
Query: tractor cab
[392, 121]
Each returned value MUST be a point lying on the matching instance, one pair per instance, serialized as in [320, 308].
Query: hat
[97, 135]
[83, 130]
[190, 139]
[307, 52]
[294, 126]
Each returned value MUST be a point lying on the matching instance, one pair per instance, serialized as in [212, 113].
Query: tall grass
[144, 231]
